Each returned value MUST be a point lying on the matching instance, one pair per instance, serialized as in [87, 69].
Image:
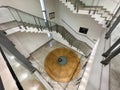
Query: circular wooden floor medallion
[62, 64]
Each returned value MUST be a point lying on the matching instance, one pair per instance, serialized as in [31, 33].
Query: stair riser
[104, 15]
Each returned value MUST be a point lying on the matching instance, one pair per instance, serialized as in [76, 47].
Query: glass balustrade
[27, 79]
[5, 15]
[26, 19]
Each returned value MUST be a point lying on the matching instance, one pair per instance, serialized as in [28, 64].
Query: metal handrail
[17, 10]
[43, 19]
[53, 27]
[108, 24]
[77, 32]
[18, 84]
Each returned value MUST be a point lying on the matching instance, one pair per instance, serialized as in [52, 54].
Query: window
[83, 30]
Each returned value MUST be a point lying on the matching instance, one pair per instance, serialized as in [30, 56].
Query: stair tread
[93, 6]
[88, 8]
[70, 38]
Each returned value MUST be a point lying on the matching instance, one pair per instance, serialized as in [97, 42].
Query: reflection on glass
[28, 80]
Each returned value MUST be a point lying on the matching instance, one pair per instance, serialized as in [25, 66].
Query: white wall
[50, 7]
[30, 6]
[76, 21]
[27, 43]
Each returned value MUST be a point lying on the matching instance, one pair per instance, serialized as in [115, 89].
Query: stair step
[98, 17]
[70, 38]
[81, 12]
[94, 7]
[8, 25]
[101, 11]
[104, 13]
[101, 14]
[107, 16]
[102, 22]
[23, 29]
[13, 30]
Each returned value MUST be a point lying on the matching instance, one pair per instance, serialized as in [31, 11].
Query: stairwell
[96, 11]
[22, 25]
[39, 26]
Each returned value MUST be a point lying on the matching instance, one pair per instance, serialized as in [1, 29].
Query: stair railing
[22, 16]
[115, 12]
[26, 19]
[14, 17]
[78, 34]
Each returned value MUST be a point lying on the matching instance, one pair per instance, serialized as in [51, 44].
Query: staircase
[99, 13]
[27, 21]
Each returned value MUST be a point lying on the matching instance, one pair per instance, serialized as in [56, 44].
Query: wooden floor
[62, 73]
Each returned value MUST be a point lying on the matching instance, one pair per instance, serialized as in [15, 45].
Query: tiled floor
[37, 59]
